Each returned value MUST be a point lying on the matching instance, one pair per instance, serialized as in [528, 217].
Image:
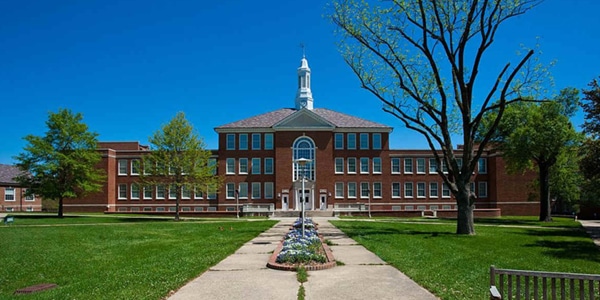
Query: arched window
[304, 148]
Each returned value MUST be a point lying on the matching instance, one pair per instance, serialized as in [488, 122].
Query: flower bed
[308, 251]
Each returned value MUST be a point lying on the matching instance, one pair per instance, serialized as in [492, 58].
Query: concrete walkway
[593, 229]
[244, 274]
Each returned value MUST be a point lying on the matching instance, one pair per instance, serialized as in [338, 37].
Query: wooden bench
[9, 220]
[348, 208]
[258, 209]
[519, 284]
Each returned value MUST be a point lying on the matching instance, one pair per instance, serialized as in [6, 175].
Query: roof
[270, 119]
[8, 174]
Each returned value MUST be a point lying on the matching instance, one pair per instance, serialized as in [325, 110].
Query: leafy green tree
[539, 135]
[61, 164]
[422, 59]
[590, 150]
[178, 160]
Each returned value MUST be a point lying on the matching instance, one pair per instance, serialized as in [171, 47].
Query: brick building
[350, 166]
[13, 196]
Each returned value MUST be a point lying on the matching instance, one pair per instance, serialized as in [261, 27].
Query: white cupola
[304, 95]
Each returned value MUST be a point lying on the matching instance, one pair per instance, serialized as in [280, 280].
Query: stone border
[273, 264]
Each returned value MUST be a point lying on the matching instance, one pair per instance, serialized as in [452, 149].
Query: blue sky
[130, 66]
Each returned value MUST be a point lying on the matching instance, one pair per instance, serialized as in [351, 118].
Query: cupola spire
[304, 97]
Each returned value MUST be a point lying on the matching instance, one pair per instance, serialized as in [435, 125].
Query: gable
[304, 119]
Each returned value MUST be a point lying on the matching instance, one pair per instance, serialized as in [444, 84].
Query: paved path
[593, 229]
[244, 274]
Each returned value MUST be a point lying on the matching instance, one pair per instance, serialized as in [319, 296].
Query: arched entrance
[304, 148]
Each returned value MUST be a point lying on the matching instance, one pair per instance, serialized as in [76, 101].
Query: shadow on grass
[360, 231]
[567, 248]
[100, 219]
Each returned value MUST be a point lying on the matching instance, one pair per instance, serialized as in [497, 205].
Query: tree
[178, 161]
[61, 164]
[540, 135]
[421, 59]
[590, 150]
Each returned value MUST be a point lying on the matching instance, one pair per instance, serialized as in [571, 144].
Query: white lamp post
[302, 164]
[237, 203]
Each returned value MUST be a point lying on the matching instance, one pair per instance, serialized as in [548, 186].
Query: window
[304, 148]
[459, 163]
[9, 194]
[135, 167]
[198, 194]
[186, 193]
[420, 166]
[147, 192]
[339, 165]
[409, 207]
[212, 193]
[122, 167]
[420, 189]
[444, 167]
[135, 191]
[376, 165]
[160, 191]
[351, 140]
[29, 197]
[255, 165]
[256, 141]
[433, 190]
[482, 189]
[377, 141]
[445, 191]
[212, 163]
[230, 166]
[339, 190]
[376, 189]
[231, 141]
[432, 165]
[395, 165]
[408, 165]
[243, 141]
[198, 208]
[243, 190]
[408, 189]
[364, 165]
[339, 141]
[482, 166]
[364, 190]
[364, 141]
[268, 141]
[230, 190]
[256, 190]
[472, 187]
[351, 189]
[351, 165]
[395, 189]
[268, 165]
[269, 190]
[172, 192]
[122, 191]
[243, 166]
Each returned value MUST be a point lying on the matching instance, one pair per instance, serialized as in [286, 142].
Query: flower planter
[309, 266]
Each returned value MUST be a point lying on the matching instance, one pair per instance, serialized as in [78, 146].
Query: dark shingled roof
[8, 174]
[269, 119]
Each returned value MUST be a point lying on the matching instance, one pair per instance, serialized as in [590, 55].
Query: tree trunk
[464, 224]
[177, 202]
[60, 207]
[545, 208]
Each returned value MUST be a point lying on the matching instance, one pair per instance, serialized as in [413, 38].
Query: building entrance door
[323, 202]
[308, 203]
[284, 202]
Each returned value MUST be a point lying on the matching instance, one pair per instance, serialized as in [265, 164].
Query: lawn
[457, 267]
[114, 258]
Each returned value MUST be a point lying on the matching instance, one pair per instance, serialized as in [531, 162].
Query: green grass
[129, 259]
[457, 267]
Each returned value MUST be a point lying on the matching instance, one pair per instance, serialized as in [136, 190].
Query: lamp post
[237, 203]
[302, 164]
[369, 192]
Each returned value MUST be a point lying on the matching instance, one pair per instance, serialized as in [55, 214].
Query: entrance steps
[297, 213]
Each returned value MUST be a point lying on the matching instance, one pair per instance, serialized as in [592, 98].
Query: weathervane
[303, 50]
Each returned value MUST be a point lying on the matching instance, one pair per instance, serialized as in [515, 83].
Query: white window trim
[272, 165]
[380, 166]
[434, 171]
[259, 141]
[380, 190]
[399, 165]
[449, 191]
[13, 193]
[336, 190]
[269, 186]
[424, 166]
[412, 189]
[119, 167]
[227, 145]
[411, 165]
[131, 164]
[259, 196]
[164, 188]
[183, 196]
[240, 166]
[367, 164]
[119, 188]
[131, 191]
[227, 161]
[424, 190]
[437, 188]
[227, 189]
[254, 159]
[144, 189]
[399, 196]
[355, 190]
[348, 165]
[335, 161]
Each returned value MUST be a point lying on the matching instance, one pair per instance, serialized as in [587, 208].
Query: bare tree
[421, 59]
